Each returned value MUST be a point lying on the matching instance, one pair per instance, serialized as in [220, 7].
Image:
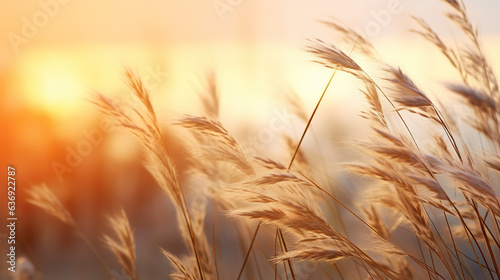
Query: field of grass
[417, 198]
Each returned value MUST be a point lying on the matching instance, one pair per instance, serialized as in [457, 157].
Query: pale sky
[193, 21]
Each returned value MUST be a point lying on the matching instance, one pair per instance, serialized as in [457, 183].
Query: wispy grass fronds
[408, 94]
[476, 98]
[42, 197]
[218, 143]
[181, 271]
[375, 113]
[198, 212]
[332, 57]
[143, 123]
[123, 247]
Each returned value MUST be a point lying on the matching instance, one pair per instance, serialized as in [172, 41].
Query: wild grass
[429, 210]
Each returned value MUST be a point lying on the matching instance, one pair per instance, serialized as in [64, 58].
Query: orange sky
[255, 46]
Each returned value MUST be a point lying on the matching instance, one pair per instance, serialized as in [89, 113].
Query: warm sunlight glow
[233, 139]
[49, 82]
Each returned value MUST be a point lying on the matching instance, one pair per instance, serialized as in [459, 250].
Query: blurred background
[54, 54]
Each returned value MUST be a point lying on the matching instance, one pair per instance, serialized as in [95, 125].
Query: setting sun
[48, 81]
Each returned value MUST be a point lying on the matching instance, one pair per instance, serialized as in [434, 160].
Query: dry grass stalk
[352, 38]
[332, 57]
[220, 144]
[288, 206]
[143, 123]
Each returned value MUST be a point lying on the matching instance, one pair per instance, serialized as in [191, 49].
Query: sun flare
[51, 83]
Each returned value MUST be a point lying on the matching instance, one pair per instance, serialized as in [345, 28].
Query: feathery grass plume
[476, 98]
[374, 219]
[461, 19]
[351, 37]
[331, 250]
[124, 246]
[406, 93]
[220, 145]
[318, 250]
[268, 164]
[430, 35]
[181, 272]
[143, 123]
[332, 57]
[42, 197]
[145, 127]
[485, 107]
[375, 113]
[475, 185]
